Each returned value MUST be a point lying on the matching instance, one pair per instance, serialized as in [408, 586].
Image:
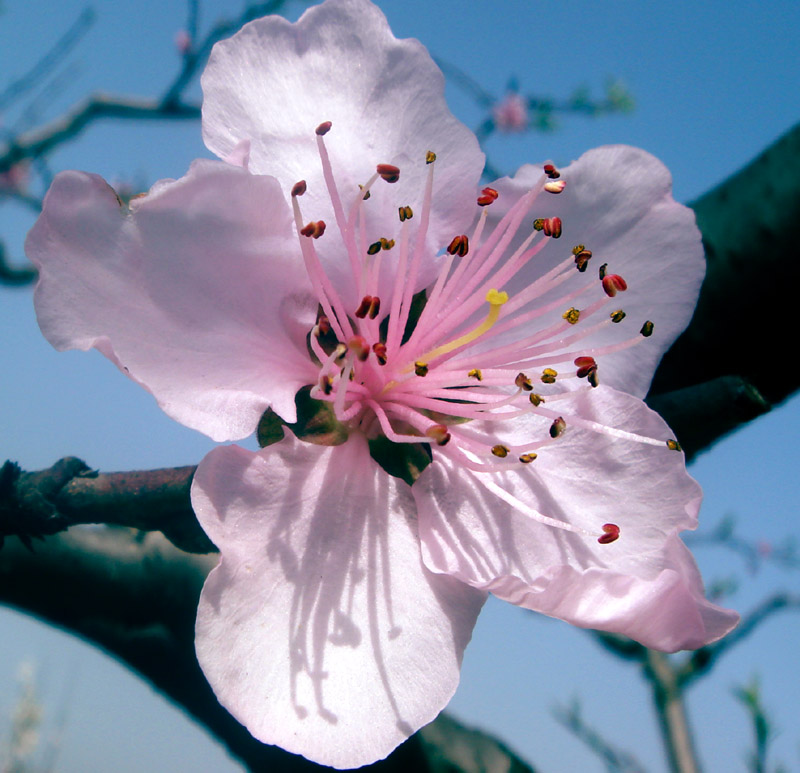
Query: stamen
[557, 427]
[647, 329]
[617, 316]
[500, 451]
[572, 315]
[551, 172]
[459, 246]
[439, 434]
[476, 374]
[550, 225]
[536, 400]
[314, 229]
[674, 445]
[430, 157]
[528, 458]
[613, 283]
[556, 186]
[611, 534]
[379, 349]
[582, 257]
[323, 128]
[488, 196]
[421, 368]
[405, 213]
[299, 188]
[549, 376]
[523, 382]
[388, 172]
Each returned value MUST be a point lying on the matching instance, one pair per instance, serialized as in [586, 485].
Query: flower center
[427, 367]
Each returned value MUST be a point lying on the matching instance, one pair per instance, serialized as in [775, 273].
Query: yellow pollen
[501, 451]
[430, 157]
[476, 374]
[535, 399]
[617, 316]
[674, 445]
[495, 300]
[527, 458]
[421, 368]
[572, 315]
[549, 376]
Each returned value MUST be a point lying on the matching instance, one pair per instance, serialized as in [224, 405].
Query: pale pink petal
[275, 82]
[193, 291]
[320, 630]
[645, 585]
[618, 203]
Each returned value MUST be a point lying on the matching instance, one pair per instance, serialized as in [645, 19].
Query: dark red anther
[585, 365]
[324, 325]
[459, 246]
[326, 384]
[374, 307]
[613, 283]
[557, 427]
[299, 188]
[439, 434]
[323, 128]
[388, 172]
[611, 534]
[551, 172]
[363, 307]
[314, 229]
[379, 349]
[488, 195]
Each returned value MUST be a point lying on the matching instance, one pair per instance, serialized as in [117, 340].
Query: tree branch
[137, 600]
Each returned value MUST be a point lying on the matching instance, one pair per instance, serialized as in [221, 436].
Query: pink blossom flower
[511, 113]
[289, 274]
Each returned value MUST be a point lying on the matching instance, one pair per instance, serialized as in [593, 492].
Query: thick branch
[751, 226]
[69, 493]
[137, 599]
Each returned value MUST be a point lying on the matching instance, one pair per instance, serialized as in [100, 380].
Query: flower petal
[644, 585]
[193, 291]
[275, 82]
[618, 203]
[320, 630]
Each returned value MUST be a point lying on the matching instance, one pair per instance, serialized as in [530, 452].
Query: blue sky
[714, 83]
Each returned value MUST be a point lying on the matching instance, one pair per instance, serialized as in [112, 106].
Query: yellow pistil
[495, 300]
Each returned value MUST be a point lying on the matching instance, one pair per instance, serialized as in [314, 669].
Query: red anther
[359, 347]
[582, 258]
[439, 434]
[585, 365]
[551, 172]
[324, 325]
[374, 307]
[387, 172]
[323, 128]
[557, 427]
[488, 195]
[379, 349]
[299, 188]
[555, 186]
[364, 306]
[614, 283]
[611, 534]
[459, 246]
[314, 229]
[551, 226]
